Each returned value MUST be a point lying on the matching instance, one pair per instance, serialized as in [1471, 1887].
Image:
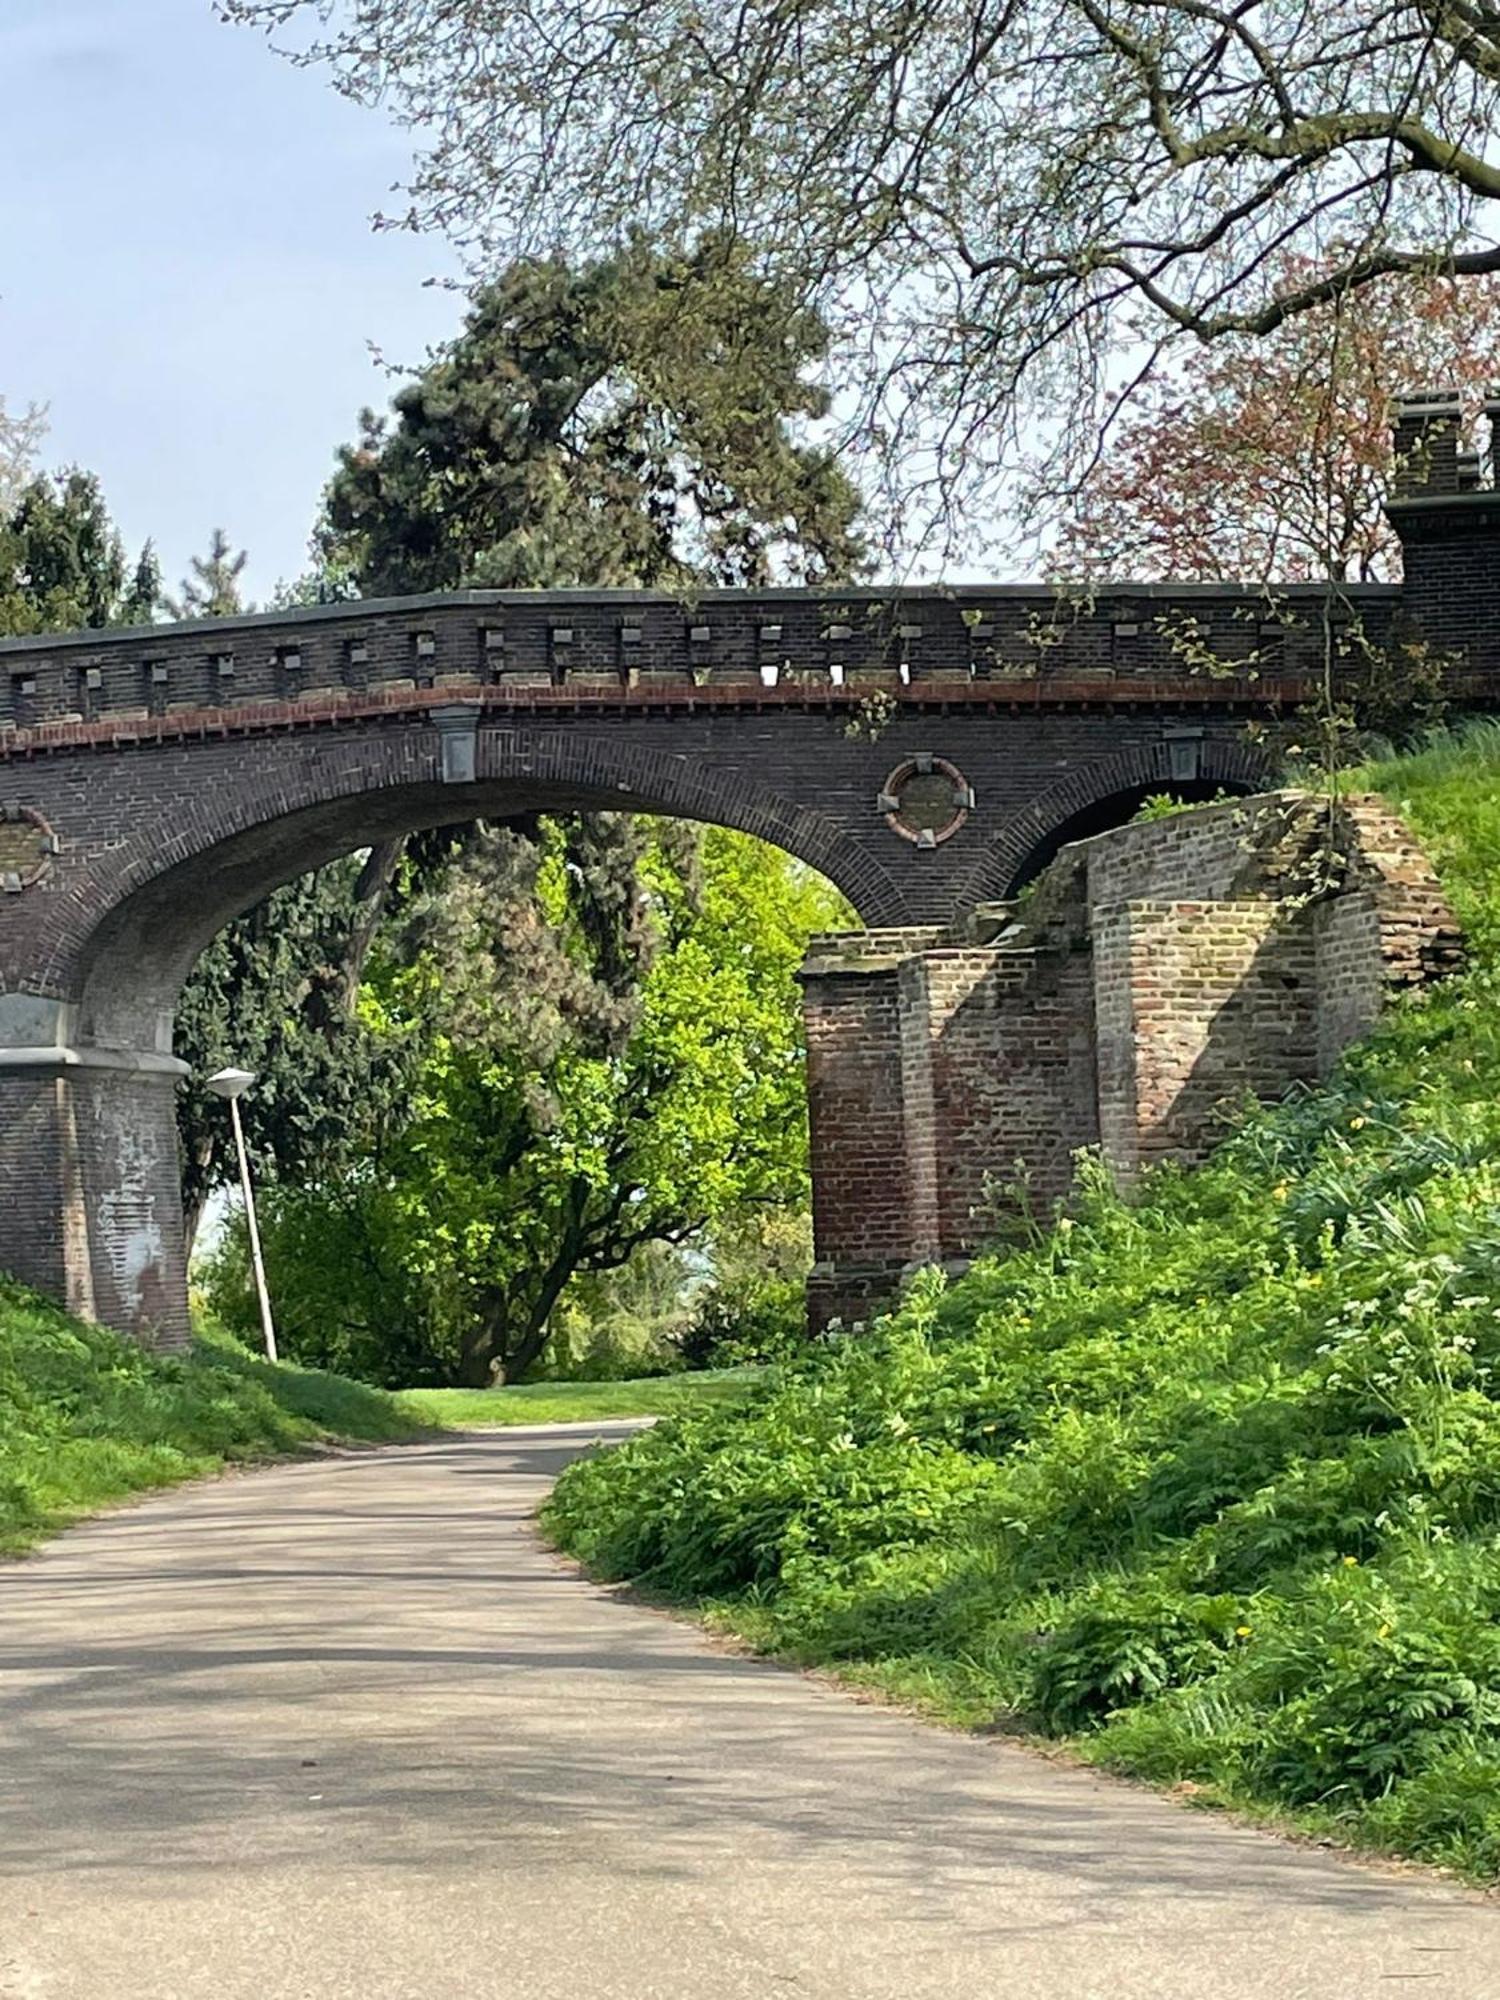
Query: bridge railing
[594, 645]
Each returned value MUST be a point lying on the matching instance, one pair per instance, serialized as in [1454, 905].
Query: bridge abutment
[1156, 979]
[90, 1187]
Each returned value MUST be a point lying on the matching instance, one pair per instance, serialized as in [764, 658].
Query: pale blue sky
[187, 272]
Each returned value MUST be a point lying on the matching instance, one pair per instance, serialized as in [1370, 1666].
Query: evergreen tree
[275, 992]
[63, 566]
[634, 421]
[213, 588]
[630, 423]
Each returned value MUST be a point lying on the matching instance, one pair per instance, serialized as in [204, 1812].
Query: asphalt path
[346, 1728]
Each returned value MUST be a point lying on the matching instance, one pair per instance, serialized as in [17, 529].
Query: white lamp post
[231, 1084]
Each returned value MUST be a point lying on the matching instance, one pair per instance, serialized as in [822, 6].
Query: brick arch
[1234, 766]
[166, 891]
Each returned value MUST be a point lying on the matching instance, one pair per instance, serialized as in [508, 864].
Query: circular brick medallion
[926, 800]
[27, 845]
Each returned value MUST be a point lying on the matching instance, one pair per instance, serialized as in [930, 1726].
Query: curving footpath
[345, 1728]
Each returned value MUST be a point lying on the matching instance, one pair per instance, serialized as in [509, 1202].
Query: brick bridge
[929, 750]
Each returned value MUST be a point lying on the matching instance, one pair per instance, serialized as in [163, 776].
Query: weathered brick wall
[90, 1196]
[1157, 976]
[1199, 1005]
[1450, 597]
[866, 1203]
[1013, 1063]
[33, 1192]
[932, 1077]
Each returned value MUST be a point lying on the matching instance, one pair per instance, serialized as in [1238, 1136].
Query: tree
[63, 566]
[599, 1077]
[1270, 458]
[213, 588]
[631, 422]
[276, 992]
[1007, 207]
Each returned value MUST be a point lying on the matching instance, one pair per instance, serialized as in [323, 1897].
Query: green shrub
[1209, 1481]
[746, 1325]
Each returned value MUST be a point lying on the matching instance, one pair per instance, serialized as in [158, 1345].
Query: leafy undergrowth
[87, 1417]
[1208, 1484]
[578, 1402]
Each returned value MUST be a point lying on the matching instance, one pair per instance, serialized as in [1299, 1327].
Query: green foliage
[212, 589]
[753, 1308]
[1210, 1479]
[609, 1058]
[629, 421]
[620, 1324]
[87, 1416]
[1167, 805]
[63, 565]
[759, 1321]
[632, 421]
[275, 993]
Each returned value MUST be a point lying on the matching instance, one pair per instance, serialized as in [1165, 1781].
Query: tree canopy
[610, 1058]
[631, 422]
[212, 587]
[275, 993]
[63, 566]
[1005, 208]
[529, 1050]
[1269, 459]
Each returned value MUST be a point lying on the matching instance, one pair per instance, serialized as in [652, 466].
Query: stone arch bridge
[928, 750]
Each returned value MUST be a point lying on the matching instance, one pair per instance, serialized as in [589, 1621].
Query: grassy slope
[1209, 1484]
[576, 1402]
[87, 1418]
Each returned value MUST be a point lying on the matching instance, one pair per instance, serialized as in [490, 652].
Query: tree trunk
[476, 1356]
[370, 892]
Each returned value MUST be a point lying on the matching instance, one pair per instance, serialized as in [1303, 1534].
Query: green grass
[1207, 1484]
[87, 1418]
[577, 1402]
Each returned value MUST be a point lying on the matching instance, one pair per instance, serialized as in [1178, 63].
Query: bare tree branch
[1001, 207]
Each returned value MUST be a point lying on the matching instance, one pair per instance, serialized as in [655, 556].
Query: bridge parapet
[540, 648]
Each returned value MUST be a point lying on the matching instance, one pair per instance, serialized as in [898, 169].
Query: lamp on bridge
[231, 1084]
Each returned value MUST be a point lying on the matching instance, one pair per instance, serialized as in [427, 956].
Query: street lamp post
[231, 1084]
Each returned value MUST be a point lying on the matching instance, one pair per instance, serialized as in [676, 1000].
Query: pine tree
[634, 421]
[63, 566]
[213, 588]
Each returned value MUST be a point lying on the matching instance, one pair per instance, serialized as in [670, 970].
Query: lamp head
[231, 1082]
